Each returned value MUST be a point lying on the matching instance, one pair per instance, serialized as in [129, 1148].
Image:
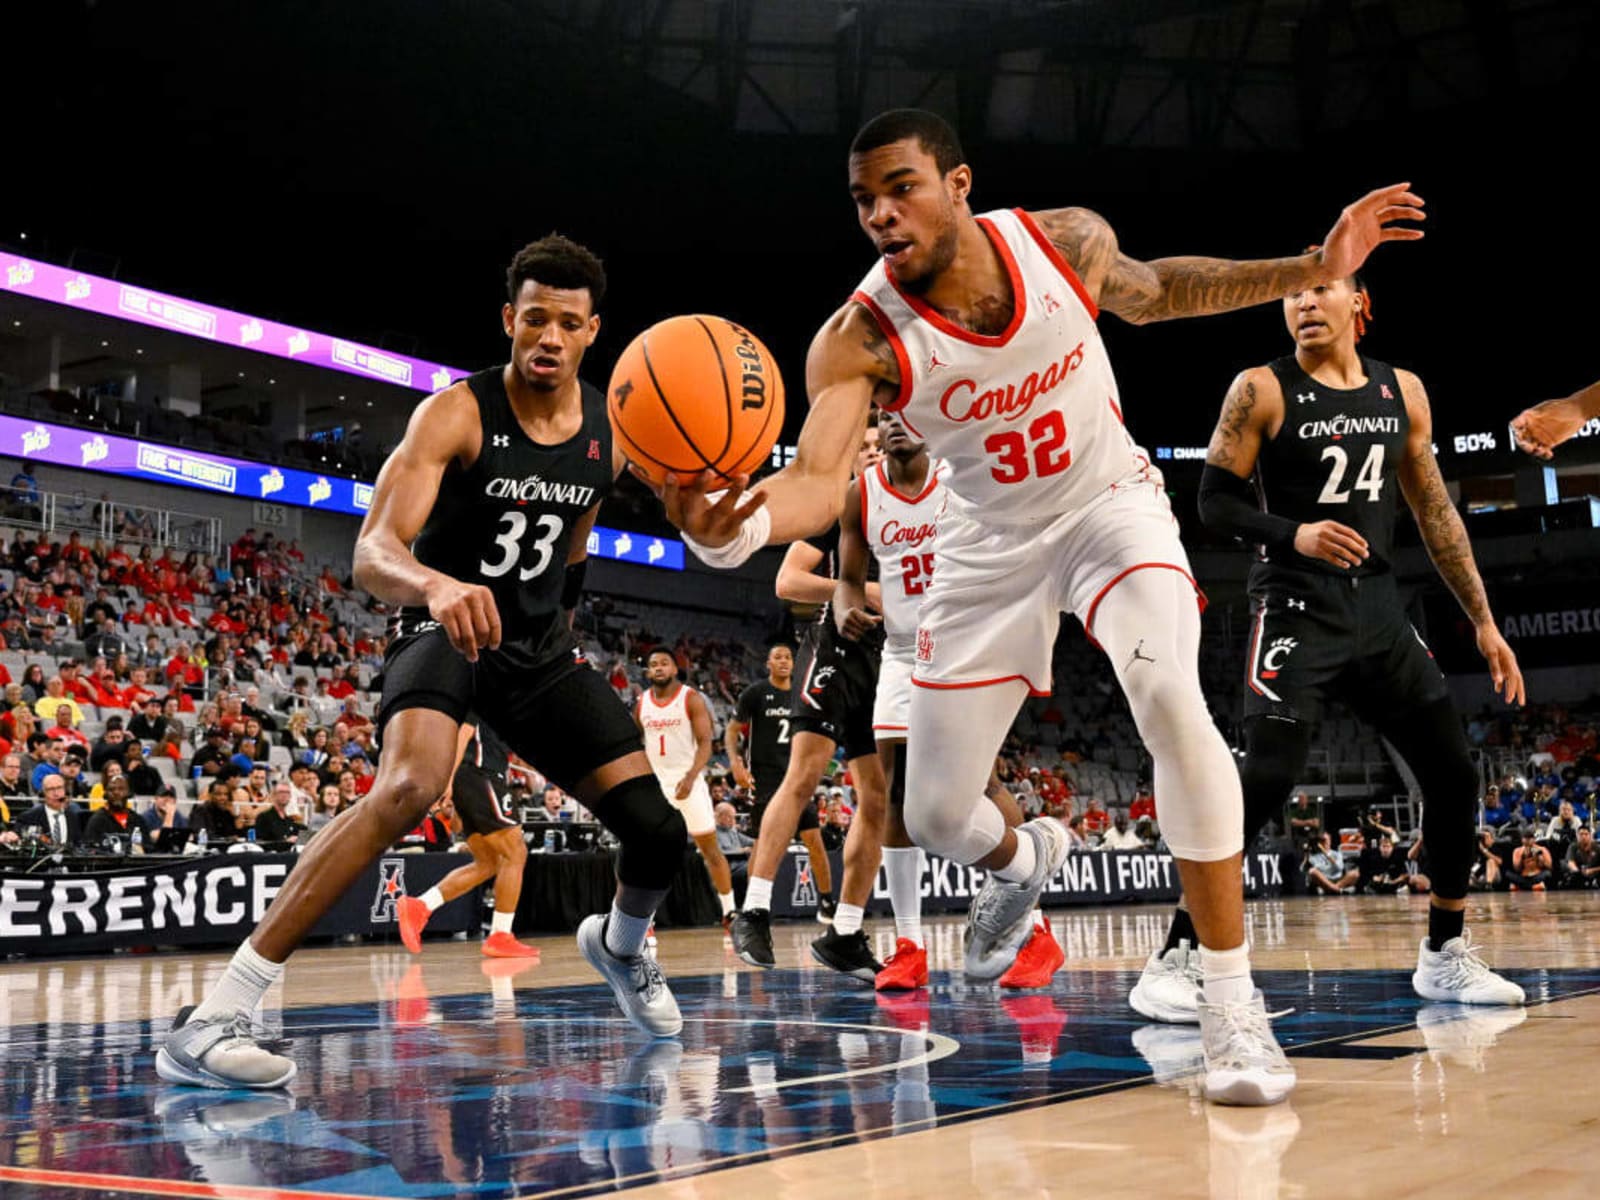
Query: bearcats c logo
[1272, 660]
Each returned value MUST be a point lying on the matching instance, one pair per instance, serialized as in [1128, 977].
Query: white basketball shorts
[891, 705]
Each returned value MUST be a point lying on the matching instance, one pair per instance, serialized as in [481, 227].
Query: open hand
[694, 506]
[1366, 223]
[1503, 668]
[742, 776]
[1331, 542]
[1540, 429]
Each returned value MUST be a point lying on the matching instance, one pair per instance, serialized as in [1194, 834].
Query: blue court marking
[552, 1093]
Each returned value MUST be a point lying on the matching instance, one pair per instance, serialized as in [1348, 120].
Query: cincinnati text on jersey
[534, 488]
[1343, 426]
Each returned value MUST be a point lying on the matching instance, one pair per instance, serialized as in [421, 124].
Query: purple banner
[75, 289]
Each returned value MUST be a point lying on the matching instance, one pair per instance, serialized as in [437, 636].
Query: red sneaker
[412, 914]
[905, 969]
[503, 945]
[908, 1010]
[1039, 1026]
[1041, 956]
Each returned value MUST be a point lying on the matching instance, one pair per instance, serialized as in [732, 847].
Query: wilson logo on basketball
[896, 534]
[753, 373]
[963, 402]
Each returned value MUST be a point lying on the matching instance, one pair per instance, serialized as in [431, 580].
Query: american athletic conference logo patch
[924, 646]
[391, 886]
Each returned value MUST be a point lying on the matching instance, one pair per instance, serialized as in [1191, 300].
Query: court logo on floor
[391, 886]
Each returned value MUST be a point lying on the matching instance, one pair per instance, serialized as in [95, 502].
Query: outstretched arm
[1166, 288]
[1445, 536]
[1540, 429]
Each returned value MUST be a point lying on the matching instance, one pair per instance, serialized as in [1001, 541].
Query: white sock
[847, 918]
[501, 921]
[726, 900]
[1022, 863]
[625, 934]
[241, 987]
[1037, 919]
[434, 899]
[903, 865]
[1227, 975]
[758, 894]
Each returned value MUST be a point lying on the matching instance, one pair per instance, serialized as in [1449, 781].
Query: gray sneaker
[997, 922]
[220, 1054]
[640, 988]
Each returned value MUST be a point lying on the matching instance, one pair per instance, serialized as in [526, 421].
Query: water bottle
[138, 840]
[202, 840]
[550, 838]
[250, 834]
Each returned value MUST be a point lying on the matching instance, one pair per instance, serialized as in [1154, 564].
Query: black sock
[1444, 924]
[1181, 929]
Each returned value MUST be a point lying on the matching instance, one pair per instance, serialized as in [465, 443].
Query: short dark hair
[670, 657]
[559, 262]
[931, 131]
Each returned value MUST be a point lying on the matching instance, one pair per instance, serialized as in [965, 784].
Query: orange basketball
[694, 394]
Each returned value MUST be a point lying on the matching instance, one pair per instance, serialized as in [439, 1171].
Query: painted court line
[92, 1181]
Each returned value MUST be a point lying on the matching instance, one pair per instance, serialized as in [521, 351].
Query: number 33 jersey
[1335, 459]
[1028, 418]
[506, 521]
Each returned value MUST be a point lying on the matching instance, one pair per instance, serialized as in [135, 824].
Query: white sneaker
[1465, 1033]
[1176, 1053]
[1169, 988]
[999, 920]
[637, 983]
[220, 1054]
[1244, 1063]
[1458, 975]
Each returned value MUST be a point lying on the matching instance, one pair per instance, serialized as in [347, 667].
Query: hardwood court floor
[436, 1077]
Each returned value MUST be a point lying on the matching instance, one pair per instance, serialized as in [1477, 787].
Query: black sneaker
[847, 953]
[752, 937]
[826, 907]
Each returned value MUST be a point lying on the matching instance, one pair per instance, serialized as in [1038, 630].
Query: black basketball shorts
[834, 689]
[545, 701]
[479, 805]
[1316, 636]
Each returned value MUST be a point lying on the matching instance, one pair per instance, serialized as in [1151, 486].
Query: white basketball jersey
[1028, 418]
[899, 529]
[668, 734]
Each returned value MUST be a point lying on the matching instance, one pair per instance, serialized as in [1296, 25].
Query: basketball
[696, 393]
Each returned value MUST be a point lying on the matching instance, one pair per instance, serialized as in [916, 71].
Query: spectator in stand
[154, 655]
[323, 706]
[25, 502]
[1531, 865]
[348, 794]
[252, 708]
[1075, 834]
[54, 697]
[835, 821]
[215, 818]
[1583, 860]
[328, 807]
[1120, 836]
[1563, 829]
[1495, 814]
[1383, 870]
[63, 727]
[1144, 804]
[111, 747]
[148, 725]
[115, 819]
[730, 840]
[352, 716]
[297, 734]
[144, 779]
[59, 822]
[245, 756]
[172, 743]
[1326, 874]
[1095, 818]
[276, 824]
[212, 757]
[105, 638]
[318, 754]
[1486, 870]
[345, 683]
[1302, 819]
[73, 684]
[33, 683]
[164, 813]
[71, 770]
[47, 754]
[14, 785]
[186, 668]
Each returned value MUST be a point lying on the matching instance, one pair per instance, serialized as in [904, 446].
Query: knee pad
[651, 831]
[1275, 756]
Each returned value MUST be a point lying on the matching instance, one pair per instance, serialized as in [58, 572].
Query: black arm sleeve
[1228, 506]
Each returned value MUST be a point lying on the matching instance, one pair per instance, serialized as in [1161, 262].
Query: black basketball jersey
[764, 710]
[506, 521]
[1335, 459]
[486, 753]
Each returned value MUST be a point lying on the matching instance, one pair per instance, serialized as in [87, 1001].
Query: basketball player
[1330, 438]
[763, 720]
[889, 516]
[1540, 429]
[832, 706]
[982, 332]
[494, 838]
[676, 723]
[478, 531]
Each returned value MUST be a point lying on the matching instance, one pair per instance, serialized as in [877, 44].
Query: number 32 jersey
[506, 521]
[1028, 418]
[1335, 459]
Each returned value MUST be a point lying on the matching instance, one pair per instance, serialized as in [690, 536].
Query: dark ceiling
[368, 169]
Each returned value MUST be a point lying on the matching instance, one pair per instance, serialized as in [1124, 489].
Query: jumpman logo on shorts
[1138, 656]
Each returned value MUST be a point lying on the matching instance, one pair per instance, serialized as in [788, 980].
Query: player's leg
[1148, 623]
[844, 946]
[412, 912]
[1430, 739]
[809, 755]
[565, 720]
[700, 819]
[809, 831]
[427, 690]
[511, 858]
[903, 865]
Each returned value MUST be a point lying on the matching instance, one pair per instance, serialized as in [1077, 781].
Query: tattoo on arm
[1237, 408]
[882, 352]
[1444, 534]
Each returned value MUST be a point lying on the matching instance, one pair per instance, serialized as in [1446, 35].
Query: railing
[109, 520]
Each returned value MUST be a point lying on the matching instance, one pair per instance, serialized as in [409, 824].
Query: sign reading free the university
[216, 899]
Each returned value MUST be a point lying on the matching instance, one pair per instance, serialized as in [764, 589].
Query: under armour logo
[1139, 655]
[1051, 304]
[935, 362]
[1305, 397]
[502, 440]
[1293, 603]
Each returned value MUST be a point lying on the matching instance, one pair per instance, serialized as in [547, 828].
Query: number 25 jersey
[1335, 459]
[506, 521]
[1028, 418]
